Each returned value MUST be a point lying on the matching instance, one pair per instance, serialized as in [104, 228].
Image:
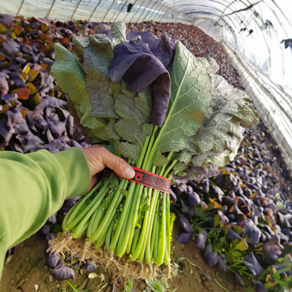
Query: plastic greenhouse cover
[251, 31]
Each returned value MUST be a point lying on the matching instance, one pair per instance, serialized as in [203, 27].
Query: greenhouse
[145, 145]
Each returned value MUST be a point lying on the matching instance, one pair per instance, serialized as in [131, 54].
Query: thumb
[99, 157]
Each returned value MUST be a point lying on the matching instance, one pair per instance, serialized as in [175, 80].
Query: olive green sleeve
[33, 187]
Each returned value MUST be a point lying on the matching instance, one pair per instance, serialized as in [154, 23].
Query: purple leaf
[6, 20]
[11, 251]
[62, 272]
[253, 265]
[172, 196]
[8, 97]
[222, 265]
[3, 84]
[201, 239]
[217, 192]
[10, 47]
[210, 256]
[162, 48]
[272, 249]
[52, 260]
[69, 203]
[186, 224]
[252, 232]
[91, 267]
[224, 219]
[139, 68]
[184, 238]
[185, 208]
[259, 287]
[53, 219]
[193, 199]
[232, 235]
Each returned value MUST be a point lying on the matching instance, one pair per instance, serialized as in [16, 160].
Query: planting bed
[256, 185]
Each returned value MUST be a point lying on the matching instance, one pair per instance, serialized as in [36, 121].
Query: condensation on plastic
[251, 32]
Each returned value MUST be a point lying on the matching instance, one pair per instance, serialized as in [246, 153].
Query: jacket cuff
[74, 164]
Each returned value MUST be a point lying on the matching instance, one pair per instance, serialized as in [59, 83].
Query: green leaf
[241, 245]
[205, 115]
[129, 150]
[69, 74]
[217, 220]
[80, 43]
[100, 88]
[132, 123]
[190, 98]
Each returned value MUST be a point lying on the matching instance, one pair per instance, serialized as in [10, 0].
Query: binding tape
[150, 180]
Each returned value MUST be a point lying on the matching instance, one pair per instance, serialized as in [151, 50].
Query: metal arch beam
[137, 10]
[148, 11]
[48, 14]
[126, 2]
[77, 6]
[94, 10]
[108, 10]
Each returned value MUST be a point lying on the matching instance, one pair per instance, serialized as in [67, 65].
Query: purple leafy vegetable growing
[62, 272]
[253, 264]
[272, 249]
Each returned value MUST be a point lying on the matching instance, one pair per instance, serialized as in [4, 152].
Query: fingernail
[129, 172]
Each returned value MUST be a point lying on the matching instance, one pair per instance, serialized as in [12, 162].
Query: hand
[99, 157]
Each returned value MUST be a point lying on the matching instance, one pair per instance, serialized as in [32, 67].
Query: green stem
[94, 221]
[109, 233]
[64, 223]
[105, 222]
[220, 285]
[102, 237]
[125, 240]
[168, 231]
[156, 240]
[76, 208]
[162, 235]
[80, 216]
[149, 224]
[135, 240]
[137, 251]
[127, 212]
[93, 206]
[146, 165]
[149, 253]
[151, 229]
[73, 288]
[169, 168]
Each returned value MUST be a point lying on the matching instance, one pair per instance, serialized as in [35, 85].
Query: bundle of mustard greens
[153, 103]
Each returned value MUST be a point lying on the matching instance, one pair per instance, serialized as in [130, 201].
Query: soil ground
[26, 272]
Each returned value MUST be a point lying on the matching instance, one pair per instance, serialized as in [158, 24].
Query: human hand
[99, 157]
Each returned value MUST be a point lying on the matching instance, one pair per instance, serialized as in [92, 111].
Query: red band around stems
[150, 180]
